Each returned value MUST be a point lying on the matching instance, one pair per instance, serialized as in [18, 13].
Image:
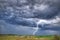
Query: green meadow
[30, 37]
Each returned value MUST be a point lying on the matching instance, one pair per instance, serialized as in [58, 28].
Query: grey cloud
[6, 28]
[14, 29]
[47, 32]
[20, 11]
[22, 22]
[51, 12]
[48, 13]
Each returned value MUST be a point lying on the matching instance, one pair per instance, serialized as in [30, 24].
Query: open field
[15, 37]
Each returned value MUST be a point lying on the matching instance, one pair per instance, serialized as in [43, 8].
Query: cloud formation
[29, 13]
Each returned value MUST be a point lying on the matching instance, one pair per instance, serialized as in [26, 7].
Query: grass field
[15, 37]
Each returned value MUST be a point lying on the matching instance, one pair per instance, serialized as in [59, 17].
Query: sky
[30, 17]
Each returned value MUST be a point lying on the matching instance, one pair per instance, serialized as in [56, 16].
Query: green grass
[26, 37]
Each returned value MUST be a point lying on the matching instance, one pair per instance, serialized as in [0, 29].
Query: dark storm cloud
[22, 22]
[26, 11]
[22, 30]
[6, 28]
[13, 12]
[57, 28]
[50, 12]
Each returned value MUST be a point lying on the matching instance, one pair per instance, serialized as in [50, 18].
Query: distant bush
[56, 37]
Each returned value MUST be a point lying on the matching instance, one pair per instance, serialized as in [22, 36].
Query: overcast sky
[30, 17]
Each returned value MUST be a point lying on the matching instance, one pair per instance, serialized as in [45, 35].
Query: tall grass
[56, 37]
